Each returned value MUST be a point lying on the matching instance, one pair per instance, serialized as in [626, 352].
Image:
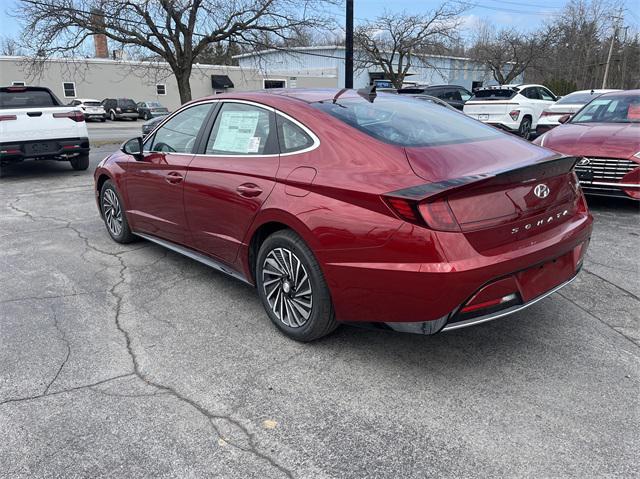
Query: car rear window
[405, 121]
[579, 98]
[125, 102]
[91, 103]
[26, 98]
[494, 94]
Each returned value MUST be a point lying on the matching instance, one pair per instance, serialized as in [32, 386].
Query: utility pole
[613, 41]
[348, 58]
[624, 57]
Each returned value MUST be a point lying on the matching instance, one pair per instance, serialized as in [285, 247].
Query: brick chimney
[99, 39]
[100, 43]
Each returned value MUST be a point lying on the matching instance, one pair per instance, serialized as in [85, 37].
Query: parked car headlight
[637, 155]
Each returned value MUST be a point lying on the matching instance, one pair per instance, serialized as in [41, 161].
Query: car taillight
[514, 114]
[553, 113]
[8, 117]
[436, 215]
[74, 115]
[405, 209]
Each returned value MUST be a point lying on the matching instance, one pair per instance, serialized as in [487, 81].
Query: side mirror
[564, 118]
[133, 147]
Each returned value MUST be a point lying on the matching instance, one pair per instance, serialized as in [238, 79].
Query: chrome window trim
[312, 135]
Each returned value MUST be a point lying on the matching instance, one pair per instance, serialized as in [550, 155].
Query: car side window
[464, 94]
[545, 94]
[242, 129]
[451, 95]
[178, 135]
[292, 138]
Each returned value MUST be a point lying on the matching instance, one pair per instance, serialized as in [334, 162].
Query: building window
[69, 89]
[161, 89]
[17, 83]
[274, 84]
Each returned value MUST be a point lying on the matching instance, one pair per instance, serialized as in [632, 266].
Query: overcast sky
[525, 14]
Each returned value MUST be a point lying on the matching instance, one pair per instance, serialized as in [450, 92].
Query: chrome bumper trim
[506, 312]
[189, 253]
[606, 183]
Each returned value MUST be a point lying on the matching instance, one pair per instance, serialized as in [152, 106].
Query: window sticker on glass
[237, 132]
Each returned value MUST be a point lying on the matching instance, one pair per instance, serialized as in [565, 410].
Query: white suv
[92, 109]
[35, 125]
[515, 108]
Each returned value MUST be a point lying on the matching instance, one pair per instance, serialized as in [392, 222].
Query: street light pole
[348, 58]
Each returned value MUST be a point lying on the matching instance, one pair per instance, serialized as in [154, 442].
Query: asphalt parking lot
[113, 131]
[132, 361]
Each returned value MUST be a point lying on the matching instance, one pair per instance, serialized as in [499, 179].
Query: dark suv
[119, 108]
[454, 95]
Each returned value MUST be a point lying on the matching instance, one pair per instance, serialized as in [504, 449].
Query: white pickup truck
[34, 124]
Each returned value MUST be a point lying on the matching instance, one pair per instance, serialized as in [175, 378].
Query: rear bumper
[127, 115]
[22, 150]
[427, 297]
[95, 116]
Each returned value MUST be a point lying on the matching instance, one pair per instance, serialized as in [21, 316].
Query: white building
[100, 78]
[429, 69]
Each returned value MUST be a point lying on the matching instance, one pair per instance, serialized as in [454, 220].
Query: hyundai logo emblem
[584, 162]
[541, 191]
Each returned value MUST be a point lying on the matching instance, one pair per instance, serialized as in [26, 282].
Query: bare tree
[392, 41]
[508, 52]
[10, 47]
[176, 31]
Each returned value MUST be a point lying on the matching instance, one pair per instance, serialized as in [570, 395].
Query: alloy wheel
[112, 212]
[287, 287]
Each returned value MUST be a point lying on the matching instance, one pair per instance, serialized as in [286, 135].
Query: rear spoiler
[536, 171]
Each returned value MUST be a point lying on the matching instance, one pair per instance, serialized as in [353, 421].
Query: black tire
[147, 116]
[321, 316]
[80, 163]
[524, 131]
[103, 120]
[124, 235]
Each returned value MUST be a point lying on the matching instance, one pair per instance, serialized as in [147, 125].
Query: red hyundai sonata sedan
[342, 206]
[606, 135]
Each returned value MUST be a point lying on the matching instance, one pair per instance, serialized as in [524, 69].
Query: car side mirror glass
[564, 118]
[133, 147]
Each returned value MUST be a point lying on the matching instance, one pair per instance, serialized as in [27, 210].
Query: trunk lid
[499, 191]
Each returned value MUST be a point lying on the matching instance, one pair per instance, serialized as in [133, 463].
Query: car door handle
[173, 177]
[249, 190]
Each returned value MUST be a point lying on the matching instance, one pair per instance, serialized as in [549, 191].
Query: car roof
[623, 93]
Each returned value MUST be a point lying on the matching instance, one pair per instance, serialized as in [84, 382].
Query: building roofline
[108, 61]
[329, 47]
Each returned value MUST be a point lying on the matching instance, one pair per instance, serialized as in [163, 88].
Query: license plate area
[40, 148]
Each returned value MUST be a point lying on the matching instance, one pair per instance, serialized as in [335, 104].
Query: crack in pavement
[63, 337]
[119, 299]
[628, 338]
[42, 298]
[62, 391]
[634, 296]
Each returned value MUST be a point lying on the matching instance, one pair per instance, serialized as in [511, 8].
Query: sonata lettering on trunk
[540, 222]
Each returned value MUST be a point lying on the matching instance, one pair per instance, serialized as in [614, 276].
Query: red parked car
[606, 135]
[350, 207]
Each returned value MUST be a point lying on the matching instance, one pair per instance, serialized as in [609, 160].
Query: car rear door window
[178, 135]
[242, 129]
[292, 138]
